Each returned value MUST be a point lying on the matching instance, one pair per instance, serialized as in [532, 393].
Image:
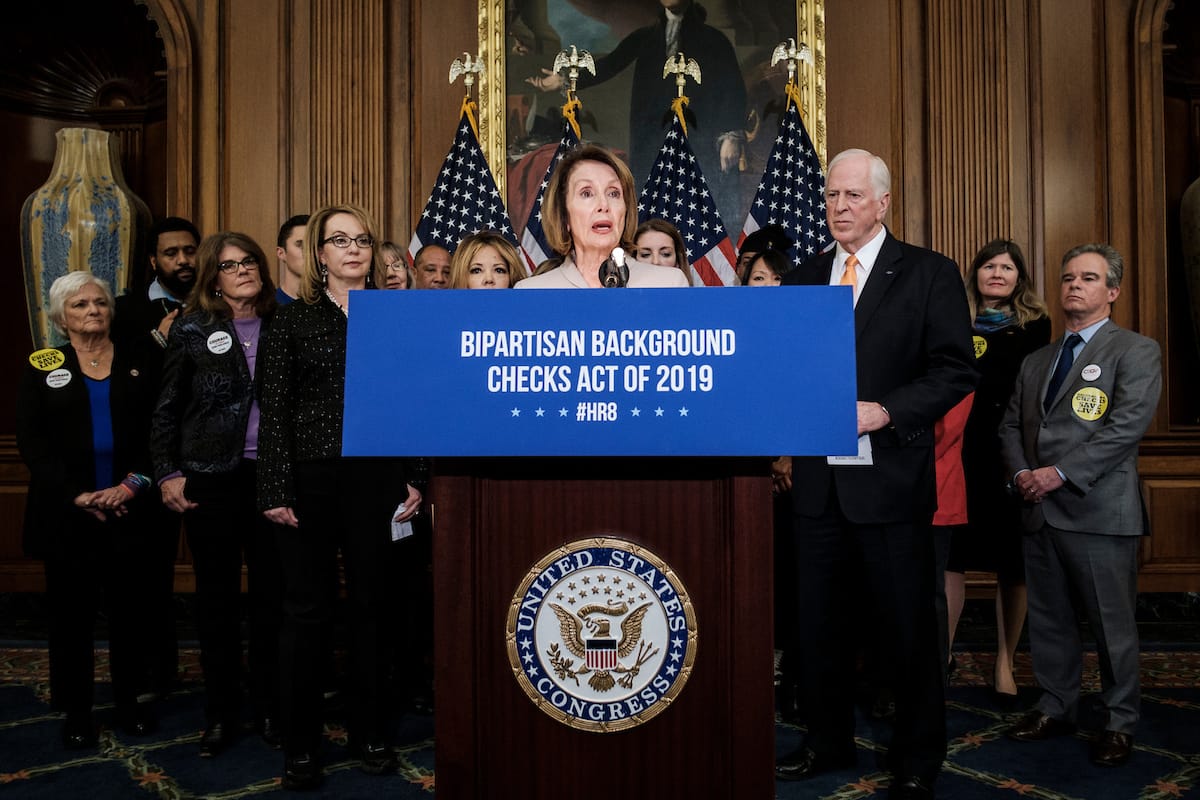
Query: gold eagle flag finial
[791, 53]
[467, 66]
[683, 68]
[572, 62]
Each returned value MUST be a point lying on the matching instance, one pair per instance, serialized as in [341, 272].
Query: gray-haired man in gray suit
[1070, 441]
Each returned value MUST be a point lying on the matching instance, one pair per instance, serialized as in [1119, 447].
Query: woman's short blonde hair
[554, 203]
[469, 247]
[312, 280]
[66, 287]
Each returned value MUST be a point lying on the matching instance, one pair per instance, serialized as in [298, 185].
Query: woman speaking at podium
[589, 206]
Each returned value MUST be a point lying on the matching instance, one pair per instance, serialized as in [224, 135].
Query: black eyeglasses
[343, 241]
[249, 262]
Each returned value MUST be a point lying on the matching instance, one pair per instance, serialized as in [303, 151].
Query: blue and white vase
[83, 218]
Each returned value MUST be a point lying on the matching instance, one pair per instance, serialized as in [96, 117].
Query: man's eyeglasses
[249, 262]
[343, 241]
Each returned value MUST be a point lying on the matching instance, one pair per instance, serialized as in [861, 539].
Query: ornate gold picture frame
[496, 48]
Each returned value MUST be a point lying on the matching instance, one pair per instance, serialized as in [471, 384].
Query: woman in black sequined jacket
[324, 503]
[204, 441]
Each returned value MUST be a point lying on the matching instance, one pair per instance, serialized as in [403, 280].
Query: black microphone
[614, 273]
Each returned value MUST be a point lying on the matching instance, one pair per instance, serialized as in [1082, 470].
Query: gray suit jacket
[1091, 432]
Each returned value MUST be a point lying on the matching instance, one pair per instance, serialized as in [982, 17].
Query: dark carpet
[982, 763]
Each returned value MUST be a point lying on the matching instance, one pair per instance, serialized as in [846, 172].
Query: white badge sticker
[1091, 372]
[220, 342]
[58, 378]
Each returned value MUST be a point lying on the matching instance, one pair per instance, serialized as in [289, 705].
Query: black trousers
[224, 528]
[105, 566]
[158, 604]
[893, 565]
[410, 632]
[342, 504]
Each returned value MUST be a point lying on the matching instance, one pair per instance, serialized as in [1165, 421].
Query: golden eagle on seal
[570, 627]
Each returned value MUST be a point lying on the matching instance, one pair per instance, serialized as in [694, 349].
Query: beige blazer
[641, 276]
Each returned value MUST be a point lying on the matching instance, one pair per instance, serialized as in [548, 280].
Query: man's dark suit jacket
[135, 315]
[912, 333]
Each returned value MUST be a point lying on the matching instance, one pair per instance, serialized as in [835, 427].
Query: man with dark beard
[173, 242]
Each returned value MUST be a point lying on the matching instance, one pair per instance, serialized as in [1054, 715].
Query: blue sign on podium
[629, 372]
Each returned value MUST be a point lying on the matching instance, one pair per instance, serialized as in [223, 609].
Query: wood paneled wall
[971, 135]
[306, 103]
[1032, 119]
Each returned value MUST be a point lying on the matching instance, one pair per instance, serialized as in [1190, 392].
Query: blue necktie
[1065, 360]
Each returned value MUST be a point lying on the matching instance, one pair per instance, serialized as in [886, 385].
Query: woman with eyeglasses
[395, 268]
[204, 442]
[323, 502]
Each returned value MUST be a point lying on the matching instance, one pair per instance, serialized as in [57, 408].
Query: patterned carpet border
[981, 765]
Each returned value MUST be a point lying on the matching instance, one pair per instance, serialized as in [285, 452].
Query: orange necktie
[850, 273]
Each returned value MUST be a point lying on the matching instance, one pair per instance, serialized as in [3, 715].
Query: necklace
[250, 332]
[333, 300]
[94, 362]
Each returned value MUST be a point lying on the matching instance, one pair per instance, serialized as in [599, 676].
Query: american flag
[677, 192]
[792, 190]
[533, 239]
[465, 198]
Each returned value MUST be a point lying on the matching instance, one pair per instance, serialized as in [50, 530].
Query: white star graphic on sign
[637, 412]
[562, 412]
[526, 643]
[683, 411]
[516, 412]
[676, 643]
[541, 412]
[671, 671]
[658, 412]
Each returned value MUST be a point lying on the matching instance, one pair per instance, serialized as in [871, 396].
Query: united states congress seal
[601, 634]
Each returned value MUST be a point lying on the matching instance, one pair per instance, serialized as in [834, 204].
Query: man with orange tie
[863, 522]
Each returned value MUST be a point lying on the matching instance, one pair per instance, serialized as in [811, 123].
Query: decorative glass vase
[83, 218]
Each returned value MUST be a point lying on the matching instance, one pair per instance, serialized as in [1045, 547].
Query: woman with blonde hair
[486, 260]
[325, 503]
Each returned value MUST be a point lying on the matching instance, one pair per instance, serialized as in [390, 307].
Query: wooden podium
[710, 520]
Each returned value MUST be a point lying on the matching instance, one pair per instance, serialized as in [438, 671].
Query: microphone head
[613, 271]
